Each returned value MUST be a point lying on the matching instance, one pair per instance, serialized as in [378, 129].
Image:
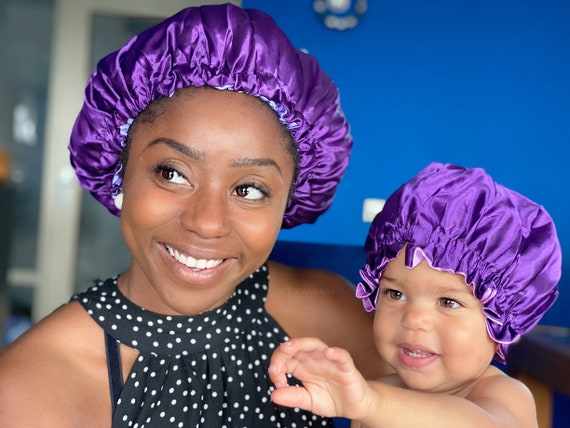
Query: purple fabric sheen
[505, 245]
[225, 47]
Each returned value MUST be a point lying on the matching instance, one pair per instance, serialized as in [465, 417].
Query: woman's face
[205, 189]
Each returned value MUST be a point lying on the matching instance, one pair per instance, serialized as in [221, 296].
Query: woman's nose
[207, 214]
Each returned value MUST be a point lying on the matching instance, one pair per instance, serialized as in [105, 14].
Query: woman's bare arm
[54, 375]
[320, 303]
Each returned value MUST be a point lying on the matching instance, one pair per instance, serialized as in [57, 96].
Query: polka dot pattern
[208, 370]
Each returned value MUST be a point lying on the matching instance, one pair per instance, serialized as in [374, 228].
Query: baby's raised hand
[332, 386]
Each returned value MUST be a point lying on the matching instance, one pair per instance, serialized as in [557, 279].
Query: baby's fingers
[282, 362]
[277, 372]
[302, 344]
[292, 396]
[284, 359]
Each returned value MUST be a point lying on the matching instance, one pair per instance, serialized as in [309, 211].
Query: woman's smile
[191, 262]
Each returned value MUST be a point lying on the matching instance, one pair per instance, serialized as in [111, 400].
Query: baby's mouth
[417, 353]
[191, 262]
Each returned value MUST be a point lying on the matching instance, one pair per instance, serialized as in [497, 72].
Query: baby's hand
[332, 386]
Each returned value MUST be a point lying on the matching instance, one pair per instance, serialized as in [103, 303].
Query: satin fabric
[225, 47]
[463, 222]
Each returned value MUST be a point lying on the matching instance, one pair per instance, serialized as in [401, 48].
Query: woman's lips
[191, 262]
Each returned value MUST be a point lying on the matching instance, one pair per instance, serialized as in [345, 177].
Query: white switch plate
[371, 207]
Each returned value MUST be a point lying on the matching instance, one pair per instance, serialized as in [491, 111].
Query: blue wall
[482, 83]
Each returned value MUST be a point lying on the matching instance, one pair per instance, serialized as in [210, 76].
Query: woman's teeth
[191, 262]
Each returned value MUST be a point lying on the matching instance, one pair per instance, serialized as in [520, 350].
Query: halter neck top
[207, 370]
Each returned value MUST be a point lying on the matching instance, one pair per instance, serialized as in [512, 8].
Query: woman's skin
[206, 184]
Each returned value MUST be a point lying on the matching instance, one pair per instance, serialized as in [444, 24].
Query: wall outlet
[371, 207]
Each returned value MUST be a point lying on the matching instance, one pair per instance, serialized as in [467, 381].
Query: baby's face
[430, 328]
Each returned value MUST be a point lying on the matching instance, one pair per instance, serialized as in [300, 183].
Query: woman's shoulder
[318, 290]
[295, 281]
[64, 326]
[320, 303]
[53, 364]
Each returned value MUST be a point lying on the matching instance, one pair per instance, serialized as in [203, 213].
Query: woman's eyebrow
[256, 162]
[198, 155]
[179, 147]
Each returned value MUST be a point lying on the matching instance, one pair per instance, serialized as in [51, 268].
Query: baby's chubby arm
[332, 386]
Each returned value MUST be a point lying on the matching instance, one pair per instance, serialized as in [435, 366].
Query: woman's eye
[449, 303]
[250, 192]
[170, 175]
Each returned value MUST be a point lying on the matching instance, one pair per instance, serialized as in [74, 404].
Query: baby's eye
[170, 174]
[251, 192]
[394, 294]
[449, 303]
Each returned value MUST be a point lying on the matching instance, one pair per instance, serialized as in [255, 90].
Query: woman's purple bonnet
[225, 47]
[504, 244]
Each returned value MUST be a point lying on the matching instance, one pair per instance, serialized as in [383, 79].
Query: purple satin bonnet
[461, 221]
[224, 47]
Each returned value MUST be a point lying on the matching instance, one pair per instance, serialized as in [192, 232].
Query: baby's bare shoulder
[494, 379]
[505, 397]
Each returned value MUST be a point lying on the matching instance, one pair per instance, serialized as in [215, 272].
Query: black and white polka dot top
[208, 370]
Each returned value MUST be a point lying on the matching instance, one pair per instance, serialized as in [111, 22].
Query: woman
[206, 134]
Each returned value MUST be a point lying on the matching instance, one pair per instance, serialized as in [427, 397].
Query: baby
[458, 267]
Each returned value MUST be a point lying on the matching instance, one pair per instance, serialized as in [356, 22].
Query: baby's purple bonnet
[225, 47]
[504, 244]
